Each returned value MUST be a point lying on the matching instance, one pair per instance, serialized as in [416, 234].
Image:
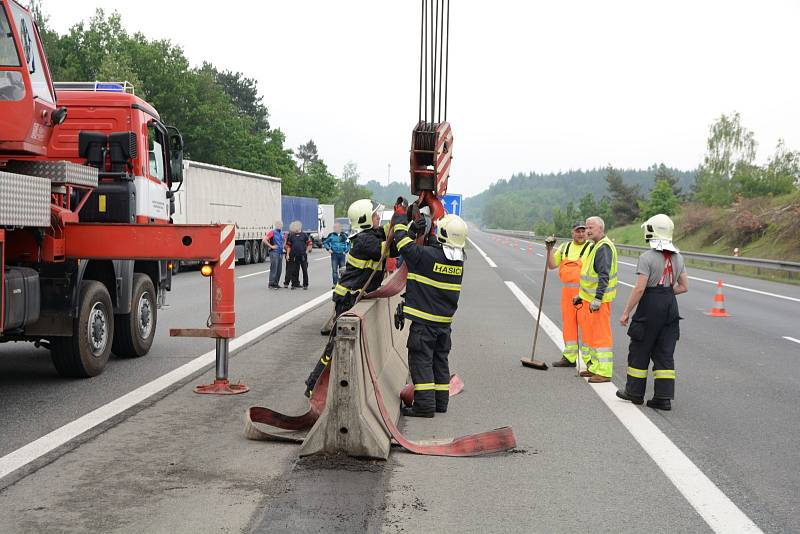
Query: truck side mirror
[175, 155]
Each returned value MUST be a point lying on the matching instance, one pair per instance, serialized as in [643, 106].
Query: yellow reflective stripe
[342, 290]
[325, 360]
[400, 227]
[428, 316]
[637, 373]
[664, 373]
[430, 386]
[364, 264]
[435, 283]
[442, 387]
[403, 242]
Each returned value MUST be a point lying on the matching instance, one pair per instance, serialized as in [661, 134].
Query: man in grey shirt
[654, 329]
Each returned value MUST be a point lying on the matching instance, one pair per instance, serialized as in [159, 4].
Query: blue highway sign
[452, 204]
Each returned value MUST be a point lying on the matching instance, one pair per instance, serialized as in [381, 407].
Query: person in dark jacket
[431, 299]
[368, 243]
[338, 245]
[275, 241]
[298, 245]
[654, 329]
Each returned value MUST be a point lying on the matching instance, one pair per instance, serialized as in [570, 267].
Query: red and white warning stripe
[226, 238]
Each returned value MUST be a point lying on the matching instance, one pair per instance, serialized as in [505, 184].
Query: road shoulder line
[482, 253]
[34, 450]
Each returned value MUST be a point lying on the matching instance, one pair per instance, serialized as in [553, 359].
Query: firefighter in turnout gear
[431, 299]
[368, 241]
[568, 258]
[654, 330]
[598, 289]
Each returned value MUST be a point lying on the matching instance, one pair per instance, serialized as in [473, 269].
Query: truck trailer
[211, 194]
[303, 209]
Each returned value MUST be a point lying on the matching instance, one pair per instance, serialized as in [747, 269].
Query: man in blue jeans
[275, 240]
[338, 245]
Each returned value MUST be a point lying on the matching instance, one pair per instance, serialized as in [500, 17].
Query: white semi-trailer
[219, 195]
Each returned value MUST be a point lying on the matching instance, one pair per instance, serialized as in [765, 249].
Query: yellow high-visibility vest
[589, 278]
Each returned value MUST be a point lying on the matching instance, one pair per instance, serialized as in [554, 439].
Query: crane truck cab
[77, 153]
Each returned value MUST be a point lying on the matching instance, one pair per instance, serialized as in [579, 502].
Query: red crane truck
[85, 206]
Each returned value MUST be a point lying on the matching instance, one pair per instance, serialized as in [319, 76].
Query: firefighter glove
[576, 300]
[399, 316]
[550, 241]
[595, 305]
[419, 226]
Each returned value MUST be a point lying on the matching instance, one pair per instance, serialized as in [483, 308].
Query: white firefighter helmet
[658, 231]
[360, 214]
[451, 230]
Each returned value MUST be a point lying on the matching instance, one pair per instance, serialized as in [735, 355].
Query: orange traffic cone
[719, 303]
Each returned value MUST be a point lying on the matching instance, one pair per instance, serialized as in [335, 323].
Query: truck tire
[86, 353]
[248, 253]
[264, 252]
[134, 332]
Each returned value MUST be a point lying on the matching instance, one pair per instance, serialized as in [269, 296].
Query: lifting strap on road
[498, 440]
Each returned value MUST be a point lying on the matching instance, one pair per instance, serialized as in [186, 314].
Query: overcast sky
[542, 86]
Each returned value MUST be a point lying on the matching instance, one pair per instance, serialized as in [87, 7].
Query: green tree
[588, 206]
[624, 198]
[663, 173]
[306, 154]
[778, 177]
[730, 147]
[662, 200]
[349, 189]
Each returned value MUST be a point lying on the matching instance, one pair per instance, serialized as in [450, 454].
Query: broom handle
[541, 301]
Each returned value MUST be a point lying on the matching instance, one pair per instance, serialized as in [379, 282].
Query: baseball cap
[578, 224]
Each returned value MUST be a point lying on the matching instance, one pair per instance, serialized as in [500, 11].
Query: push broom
[533, 362]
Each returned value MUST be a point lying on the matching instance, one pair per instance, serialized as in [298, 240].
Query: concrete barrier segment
[352, 422]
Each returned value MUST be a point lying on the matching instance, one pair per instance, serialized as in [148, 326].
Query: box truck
[211, 194]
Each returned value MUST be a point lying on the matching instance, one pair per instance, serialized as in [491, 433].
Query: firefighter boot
[659, 404]
[624, 396]
[410, 411]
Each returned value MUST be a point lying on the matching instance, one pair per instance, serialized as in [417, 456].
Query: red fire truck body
[85, 205]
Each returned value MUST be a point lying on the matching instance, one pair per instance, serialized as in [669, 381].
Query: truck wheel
[134, 332]
[248, 253]
[257, 256]
[264, 251]
[85, 353]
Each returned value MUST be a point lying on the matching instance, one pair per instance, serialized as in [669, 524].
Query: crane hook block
[431, 155]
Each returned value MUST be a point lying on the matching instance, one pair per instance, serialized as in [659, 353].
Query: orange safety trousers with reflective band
[569, 271]
[596, 336]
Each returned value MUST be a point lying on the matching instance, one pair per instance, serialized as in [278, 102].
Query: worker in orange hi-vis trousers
[568, 259]
[598, 289]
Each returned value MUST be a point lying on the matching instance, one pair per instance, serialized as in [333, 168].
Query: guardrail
[733, 261]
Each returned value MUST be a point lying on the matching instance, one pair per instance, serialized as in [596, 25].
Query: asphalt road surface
[726, 454]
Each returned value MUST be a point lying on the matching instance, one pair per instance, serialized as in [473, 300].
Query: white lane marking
[35, 449]
[775, 295]
[320, 259]
[791, 339]
[540, 254]
[625, 283]
[252, 274]
[482, 253]
[721, 514]
[626, 263]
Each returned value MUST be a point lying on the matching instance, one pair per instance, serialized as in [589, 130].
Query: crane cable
[434, 60]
